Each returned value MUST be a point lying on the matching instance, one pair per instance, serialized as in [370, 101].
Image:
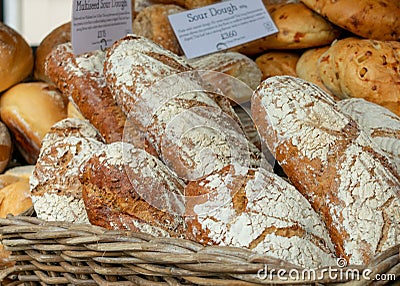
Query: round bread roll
[16, 57]
[60, 35]
[152, 22]
[299, 28]
[370, 19]
[5, 147]
[363, 68]
[274, 63]
[307, 66]
[29, 110]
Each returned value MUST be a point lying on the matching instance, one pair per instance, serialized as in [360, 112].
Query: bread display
[27, 124]
[152, 22]
[60, 35]
[363, 68]
[382, 125]
[370, 19]
[16, 57]
[333, 162]
[274, 63]
[6, 147]
[299, 28]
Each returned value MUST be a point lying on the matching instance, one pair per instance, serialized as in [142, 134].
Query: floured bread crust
[332, 162]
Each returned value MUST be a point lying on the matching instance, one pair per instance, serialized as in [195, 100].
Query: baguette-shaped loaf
[55, 186]
[382, 125]
[258, 210]
[333, 163]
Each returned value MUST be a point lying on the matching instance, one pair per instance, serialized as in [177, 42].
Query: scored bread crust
[332, 162]
[258, 210]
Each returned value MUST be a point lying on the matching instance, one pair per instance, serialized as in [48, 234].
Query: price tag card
[97, 24]
[221, 26]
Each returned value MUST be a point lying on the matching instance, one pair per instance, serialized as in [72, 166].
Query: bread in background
[272, 63]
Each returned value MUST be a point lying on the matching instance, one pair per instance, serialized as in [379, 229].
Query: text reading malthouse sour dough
[100, 4]
[212, 12]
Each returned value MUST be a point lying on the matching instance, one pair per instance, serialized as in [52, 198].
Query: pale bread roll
[332, 162]
[274, 63]
[16, 57]
[6, 147]
[29, 110]
[24, 171]
[382, 125]
[366, 18]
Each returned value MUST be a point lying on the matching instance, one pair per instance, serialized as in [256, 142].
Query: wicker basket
[56, 253]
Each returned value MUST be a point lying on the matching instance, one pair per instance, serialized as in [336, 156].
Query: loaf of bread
[6, 147]
[243, 73]
[256, 209]
[29, 110]
[190, 129]
[60, 35]
[23, 171]
[370, 19]
[382, 125]
[124, 187]
[274, 63]
[153, 23]
[188, 4]
[55, 187]
[354, 67]
[16, 57]
[15, 198]
[333, 163]
[299, 28]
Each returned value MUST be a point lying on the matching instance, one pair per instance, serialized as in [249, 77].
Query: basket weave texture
[57, 253]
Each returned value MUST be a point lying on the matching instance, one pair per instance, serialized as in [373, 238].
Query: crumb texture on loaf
[332, 162]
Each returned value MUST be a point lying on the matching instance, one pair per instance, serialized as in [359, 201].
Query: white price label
[221, 26]
[97, 24]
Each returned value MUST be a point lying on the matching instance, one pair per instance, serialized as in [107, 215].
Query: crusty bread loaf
[274, 63]
[307, 67]
[153, 23]
[60, 35]
[29, 110]
[354, 67]
[81, 78]
[243, 73]
[382, 125]
[256, 209]
[6, 147]
[299, 28]
[55, 186]
[366, 18]
[188, 4]
[333, 163]
[16, 57]
[124, 187]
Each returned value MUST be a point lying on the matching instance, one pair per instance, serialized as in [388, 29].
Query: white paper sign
[97, 24]
[221, 26]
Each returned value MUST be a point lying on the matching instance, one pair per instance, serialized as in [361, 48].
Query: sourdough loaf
[382, 125]
[124, 187]
[274, 63]
[55, 187]
[366, 18]
[29, 110]
[153, 23]
[333, 163]
[354, 67]
[256, 209]
[188, 4]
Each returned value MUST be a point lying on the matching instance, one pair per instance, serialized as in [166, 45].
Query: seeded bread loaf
[366, 18]
[55, 186]
[256, 209]
[333, 163]
[382, 125]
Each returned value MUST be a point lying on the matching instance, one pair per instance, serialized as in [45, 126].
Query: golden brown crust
[277, 63]
[299, 28]
[370, 19]
[152, 22]
[5, 147]
[59, 35]
[16, 57]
